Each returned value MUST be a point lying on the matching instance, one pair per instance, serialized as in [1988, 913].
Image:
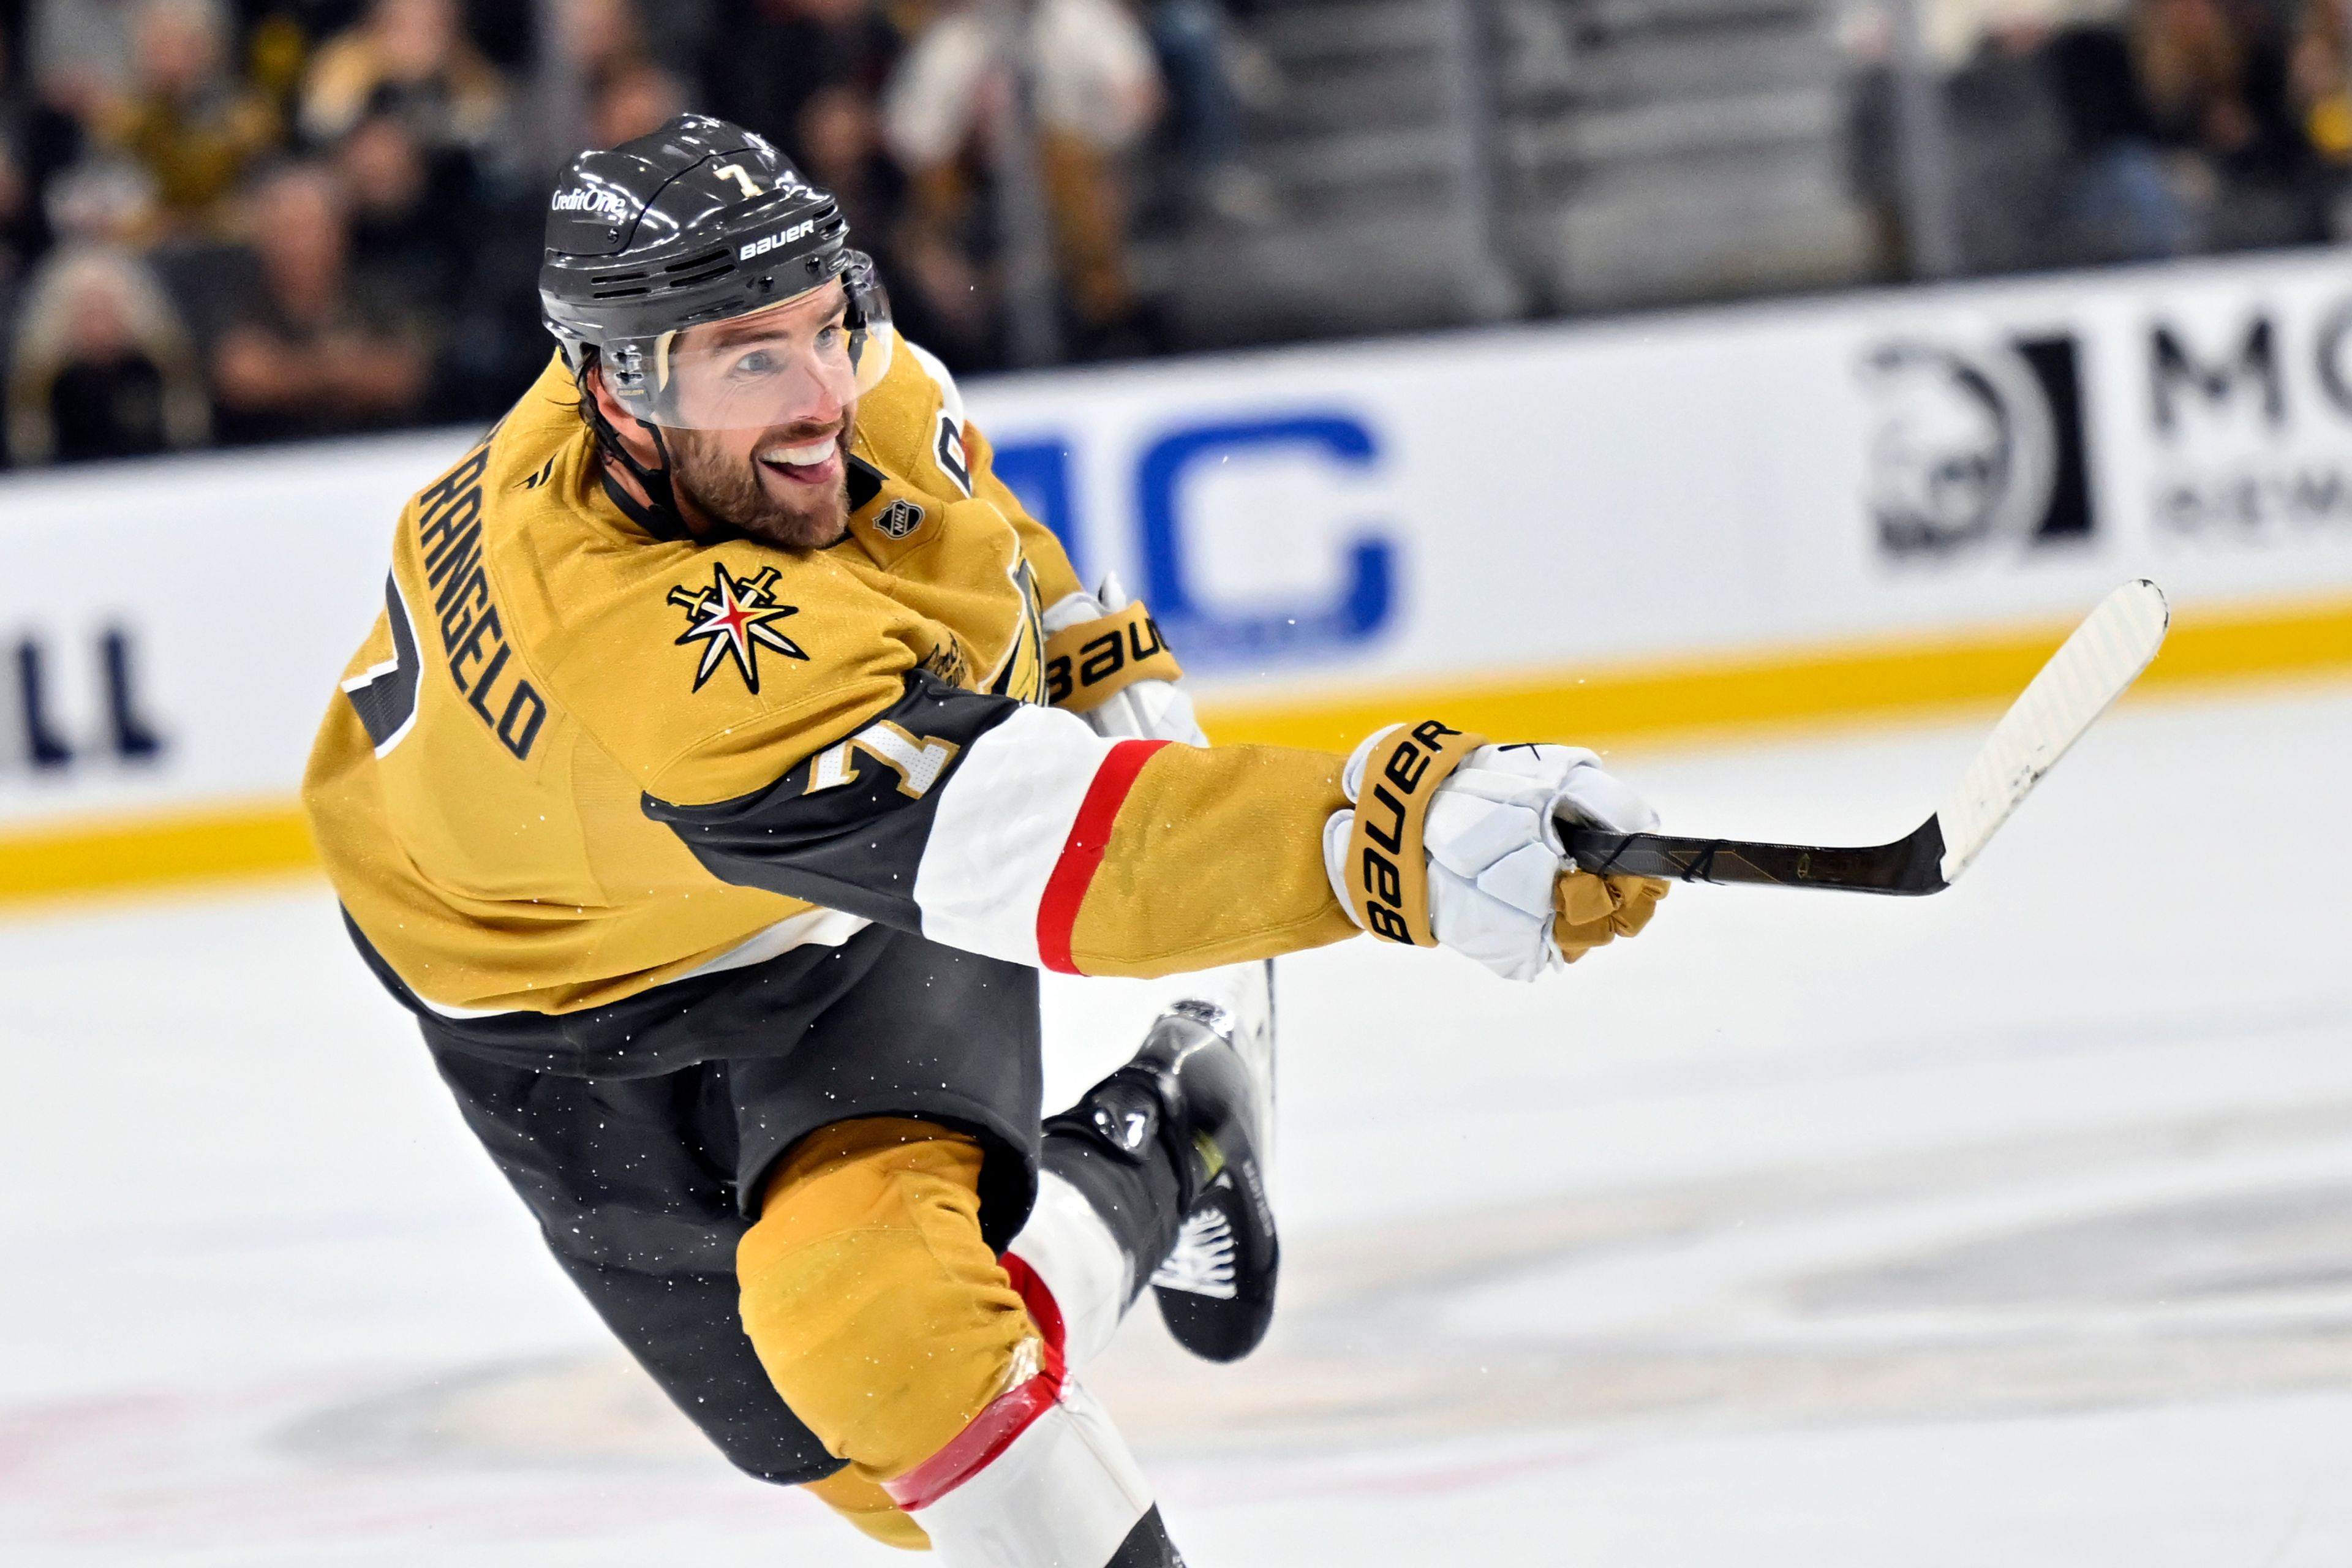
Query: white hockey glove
[1107, 662]
[1452, 843]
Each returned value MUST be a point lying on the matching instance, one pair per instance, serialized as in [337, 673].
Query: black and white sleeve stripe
[945, 815]
[384, 695]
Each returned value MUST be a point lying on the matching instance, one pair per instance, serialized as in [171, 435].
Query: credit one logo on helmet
[590, 199]
[1974, 445]
[783, 237]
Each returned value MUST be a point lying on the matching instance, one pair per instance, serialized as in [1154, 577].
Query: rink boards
[1822, 510]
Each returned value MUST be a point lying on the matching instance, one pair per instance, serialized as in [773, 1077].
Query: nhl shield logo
[898, 519]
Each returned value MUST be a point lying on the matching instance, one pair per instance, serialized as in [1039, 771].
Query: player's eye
[758, 362]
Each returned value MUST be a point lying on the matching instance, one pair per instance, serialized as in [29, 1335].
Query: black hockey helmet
[700, 221]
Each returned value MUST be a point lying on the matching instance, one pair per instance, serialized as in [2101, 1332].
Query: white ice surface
[2011, 1226]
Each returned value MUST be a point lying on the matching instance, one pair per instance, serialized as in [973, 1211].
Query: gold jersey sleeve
[580, 755]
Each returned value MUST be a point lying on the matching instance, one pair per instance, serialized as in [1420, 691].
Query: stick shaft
[1909, 865]
[2094, 666]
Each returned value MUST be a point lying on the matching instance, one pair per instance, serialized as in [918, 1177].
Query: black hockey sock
[1147, 1546]
[1138, 1195]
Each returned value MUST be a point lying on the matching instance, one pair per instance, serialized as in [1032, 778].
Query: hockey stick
[2082, 678]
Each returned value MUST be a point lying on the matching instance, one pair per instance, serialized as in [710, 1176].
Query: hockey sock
[1089, 1275]
[1136, 1198]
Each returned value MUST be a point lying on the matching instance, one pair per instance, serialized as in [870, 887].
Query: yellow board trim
[1783, 688]
[110, 854]
[1800, 687]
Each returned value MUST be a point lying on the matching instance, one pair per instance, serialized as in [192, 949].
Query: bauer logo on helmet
[783, 237]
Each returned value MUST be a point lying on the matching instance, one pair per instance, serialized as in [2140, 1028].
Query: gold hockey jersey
[580, 754]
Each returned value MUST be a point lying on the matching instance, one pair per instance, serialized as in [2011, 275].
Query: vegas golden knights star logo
[731, 619]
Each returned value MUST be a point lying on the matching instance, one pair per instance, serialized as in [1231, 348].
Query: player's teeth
[815, 452]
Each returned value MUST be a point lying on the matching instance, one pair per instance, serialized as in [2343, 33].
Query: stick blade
[2094, 666]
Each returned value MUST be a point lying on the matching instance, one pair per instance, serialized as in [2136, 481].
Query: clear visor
[798, 362]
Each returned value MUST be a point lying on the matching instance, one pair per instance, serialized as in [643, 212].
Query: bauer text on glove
[1451, 842]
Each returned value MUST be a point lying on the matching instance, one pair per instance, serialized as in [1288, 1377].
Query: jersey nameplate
[472, 635]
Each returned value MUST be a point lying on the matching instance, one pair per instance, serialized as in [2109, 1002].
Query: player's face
[769, 404]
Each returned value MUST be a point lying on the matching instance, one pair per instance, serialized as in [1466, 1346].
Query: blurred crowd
[2085, 131]
[229, 221]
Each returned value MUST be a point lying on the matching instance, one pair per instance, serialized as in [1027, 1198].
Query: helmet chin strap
[657, 481]
[661, 496]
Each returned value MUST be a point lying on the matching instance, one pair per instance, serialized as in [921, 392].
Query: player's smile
[811, 462]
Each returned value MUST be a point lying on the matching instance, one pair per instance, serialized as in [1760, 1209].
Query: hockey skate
[1202, 1085]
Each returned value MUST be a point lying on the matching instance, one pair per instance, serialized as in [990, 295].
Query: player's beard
[730, 488]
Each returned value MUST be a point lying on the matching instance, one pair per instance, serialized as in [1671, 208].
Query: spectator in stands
[81, 52]
[600, 39]
[1196, 50]
[506, 32]
[191, 126]
[2194, 67]
[839, 136]
[18, 243]
[412, 58]
[102, 366]
[935, 289]
[279, 37]
[2008, 140]
[632, 100]
[408, 239]
[2120, 201]
[627, 90]
[2214, 74]
[306, 352]
[102, 200]
[2054, 158]
[2322, 80]
[770, 57]
[1095, 91]
[78, 60]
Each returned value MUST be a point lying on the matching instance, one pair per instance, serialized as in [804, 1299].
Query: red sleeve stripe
[1082, 852]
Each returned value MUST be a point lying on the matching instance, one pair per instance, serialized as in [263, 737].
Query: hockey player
[731, 753]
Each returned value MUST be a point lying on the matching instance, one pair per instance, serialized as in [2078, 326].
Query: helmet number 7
[735, 171]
